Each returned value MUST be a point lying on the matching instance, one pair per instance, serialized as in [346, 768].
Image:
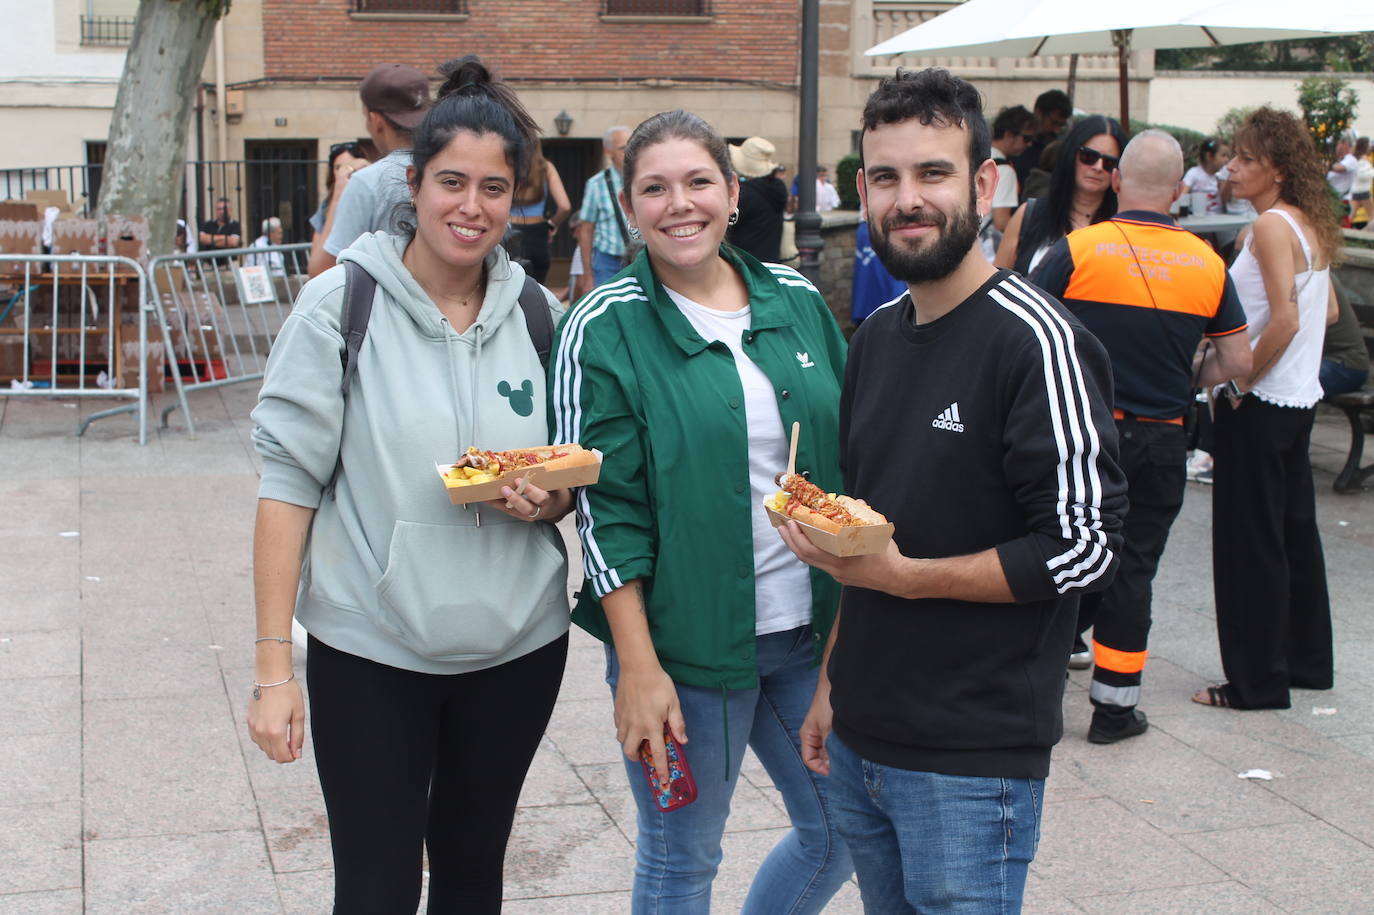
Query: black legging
[534, 247]
[410, 760]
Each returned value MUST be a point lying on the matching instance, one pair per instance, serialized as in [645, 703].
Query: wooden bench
[1354, 405]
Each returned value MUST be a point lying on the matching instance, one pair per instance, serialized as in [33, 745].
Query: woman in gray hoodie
[438, 632]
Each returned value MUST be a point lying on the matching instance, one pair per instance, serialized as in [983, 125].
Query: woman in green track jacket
[686, 370]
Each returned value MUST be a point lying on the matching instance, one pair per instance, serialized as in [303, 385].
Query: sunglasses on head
[352, 148]
[1090, 157]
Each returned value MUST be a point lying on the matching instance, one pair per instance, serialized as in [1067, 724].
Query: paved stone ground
[129, 784]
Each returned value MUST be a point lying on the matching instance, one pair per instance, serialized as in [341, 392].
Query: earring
[734, 216]
[634, 231]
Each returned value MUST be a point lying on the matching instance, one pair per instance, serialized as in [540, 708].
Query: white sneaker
[1200, 467]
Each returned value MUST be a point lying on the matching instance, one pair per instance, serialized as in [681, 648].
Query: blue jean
[604, 266]
[924, 842]
[677, 853]
[1338, 379]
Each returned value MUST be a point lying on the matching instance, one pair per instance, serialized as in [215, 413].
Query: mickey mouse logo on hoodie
[521, 401]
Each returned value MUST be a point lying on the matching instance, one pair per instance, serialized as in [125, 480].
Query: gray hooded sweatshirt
[395, 572]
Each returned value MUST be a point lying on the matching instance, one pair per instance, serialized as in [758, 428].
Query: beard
[938, 259]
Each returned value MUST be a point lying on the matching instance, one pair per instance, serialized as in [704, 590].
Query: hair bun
[463, 74]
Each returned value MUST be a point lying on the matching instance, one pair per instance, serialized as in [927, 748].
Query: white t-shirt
[1364, 177]
[782, 583]
[1198, 181]
[1008, 193]
[827, 198]
[1340, 181]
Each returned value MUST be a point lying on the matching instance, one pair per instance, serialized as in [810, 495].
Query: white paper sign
[255, 284]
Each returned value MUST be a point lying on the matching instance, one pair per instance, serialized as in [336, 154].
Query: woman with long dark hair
[1269, 575]
[344, 159]
[530, 215]
[1080, 194]
[438, 633]
[687, 369]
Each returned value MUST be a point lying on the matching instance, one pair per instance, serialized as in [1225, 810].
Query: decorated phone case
[682, 788]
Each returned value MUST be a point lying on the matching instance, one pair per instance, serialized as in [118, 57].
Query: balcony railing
[655, 7]
[107, 31]
[443, 7]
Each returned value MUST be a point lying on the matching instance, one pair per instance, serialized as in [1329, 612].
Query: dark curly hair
[932, 96]
[1279, 138]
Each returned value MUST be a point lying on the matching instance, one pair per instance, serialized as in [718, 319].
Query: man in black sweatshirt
[977, 416]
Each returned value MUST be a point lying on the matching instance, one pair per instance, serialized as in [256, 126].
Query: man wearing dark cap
[395, 99]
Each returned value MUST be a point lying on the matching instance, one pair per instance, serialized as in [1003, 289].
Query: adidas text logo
[805, 360]
[949, 419]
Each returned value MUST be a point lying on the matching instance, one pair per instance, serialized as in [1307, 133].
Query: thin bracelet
[272, 638]
[259, 687]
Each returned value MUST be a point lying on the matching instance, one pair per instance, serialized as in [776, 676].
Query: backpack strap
[615, 205]
[359, 289]
[537, 319]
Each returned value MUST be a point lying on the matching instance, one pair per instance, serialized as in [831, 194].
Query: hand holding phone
[682, 787]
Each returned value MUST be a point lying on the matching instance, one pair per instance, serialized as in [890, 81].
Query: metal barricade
[220, 311]
[75, 326]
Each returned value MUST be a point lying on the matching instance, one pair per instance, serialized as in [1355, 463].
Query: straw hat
[753, 158]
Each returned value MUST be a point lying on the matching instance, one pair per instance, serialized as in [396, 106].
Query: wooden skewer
[792, 452]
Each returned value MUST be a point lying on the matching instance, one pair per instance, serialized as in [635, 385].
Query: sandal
[1215, 696]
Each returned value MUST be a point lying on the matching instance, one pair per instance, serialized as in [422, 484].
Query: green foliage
[845, 170]
[1345, 53]
[1188, 139]
[1328, 106]
[1230, 122]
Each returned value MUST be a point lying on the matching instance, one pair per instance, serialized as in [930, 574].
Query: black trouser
[1153, 458]
[410, 760]
[534, 247]
[1273, 613]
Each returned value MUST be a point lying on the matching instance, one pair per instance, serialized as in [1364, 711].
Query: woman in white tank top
[1273, 612]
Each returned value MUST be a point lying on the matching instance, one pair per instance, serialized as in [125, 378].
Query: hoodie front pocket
[460, 593]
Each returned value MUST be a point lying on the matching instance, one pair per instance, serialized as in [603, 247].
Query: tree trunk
[146, 153]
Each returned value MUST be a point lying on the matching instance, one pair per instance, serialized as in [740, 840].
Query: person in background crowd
[1342, 173]
[438, 633]
[691, 365]
[532, 198]
[1268, 572]
[1151, 322]
[221, 232]
[395, 99]
[185, 239]
[1037, 181]
[272, 234]
[1080, 194]
[756, 226]
[575, 267]
[976, 416]
[1345, 357]
[873, 285]
[1052, 113]
[1212, 154]
[344, 159]
[827, 196]
[603, 238]
[1010, 137]
[1360, 204]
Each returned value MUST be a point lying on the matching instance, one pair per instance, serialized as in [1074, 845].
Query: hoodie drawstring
[450, 340]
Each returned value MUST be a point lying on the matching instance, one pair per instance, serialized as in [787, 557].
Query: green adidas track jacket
[633, 378]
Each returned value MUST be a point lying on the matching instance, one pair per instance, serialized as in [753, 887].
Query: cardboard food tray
[584, 475]
[851, 541]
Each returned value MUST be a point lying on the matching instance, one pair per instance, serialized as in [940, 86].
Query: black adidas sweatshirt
[990, 427]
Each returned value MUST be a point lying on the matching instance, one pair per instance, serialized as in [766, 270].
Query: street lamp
[562, 123]
[808, 221]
